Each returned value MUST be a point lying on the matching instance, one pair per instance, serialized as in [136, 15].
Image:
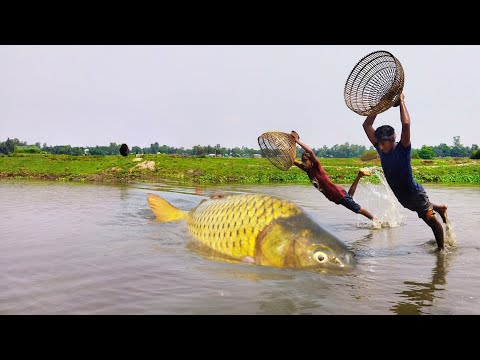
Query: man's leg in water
[437, 228]
[353, 188]
[366, 213]
[350, 204]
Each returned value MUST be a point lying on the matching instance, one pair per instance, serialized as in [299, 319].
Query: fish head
[299, 242]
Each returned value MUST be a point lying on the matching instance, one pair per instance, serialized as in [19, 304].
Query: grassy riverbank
[155, 168]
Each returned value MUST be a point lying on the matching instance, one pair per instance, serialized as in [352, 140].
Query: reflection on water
[96, 249]
[421, 295]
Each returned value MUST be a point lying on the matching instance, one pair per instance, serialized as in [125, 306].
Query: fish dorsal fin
[163, 210]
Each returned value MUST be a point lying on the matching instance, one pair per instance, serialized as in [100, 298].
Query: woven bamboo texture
[374, 84]
[278, 147]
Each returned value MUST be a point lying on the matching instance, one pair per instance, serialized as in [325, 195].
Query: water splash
[450, 240]
[381, 202]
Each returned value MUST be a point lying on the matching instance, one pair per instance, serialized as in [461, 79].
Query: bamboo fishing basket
[375, 83]
[278, 147]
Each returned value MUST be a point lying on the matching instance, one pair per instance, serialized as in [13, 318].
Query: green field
[198, 170]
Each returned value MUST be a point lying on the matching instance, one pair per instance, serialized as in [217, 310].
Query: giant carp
[259, 229]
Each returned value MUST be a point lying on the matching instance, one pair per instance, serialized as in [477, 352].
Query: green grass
[216, 170]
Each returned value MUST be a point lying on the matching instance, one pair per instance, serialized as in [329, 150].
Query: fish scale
[236, 220]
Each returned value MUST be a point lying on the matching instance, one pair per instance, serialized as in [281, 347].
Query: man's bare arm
[405, 119]
[368, 127]
[305, 147]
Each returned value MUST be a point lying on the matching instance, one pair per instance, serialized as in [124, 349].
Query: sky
[187, 95]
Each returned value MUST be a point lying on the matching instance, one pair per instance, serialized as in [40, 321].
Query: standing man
[397, 167]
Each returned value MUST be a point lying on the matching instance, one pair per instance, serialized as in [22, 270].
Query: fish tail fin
[163, 210]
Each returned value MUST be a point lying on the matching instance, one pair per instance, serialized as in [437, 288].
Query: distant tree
[345, 150]
[154, 148]
[7, 147]
[456, 141]
[180, 150]
[426, 152]
[27, 149]
[475, 154]
[441, 150]
[97, 150]
[458, 150]
[136, 149]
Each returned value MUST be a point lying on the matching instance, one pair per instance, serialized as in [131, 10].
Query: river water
[69, 248]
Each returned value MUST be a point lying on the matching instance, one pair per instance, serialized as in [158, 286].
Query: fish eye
[320, 256]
